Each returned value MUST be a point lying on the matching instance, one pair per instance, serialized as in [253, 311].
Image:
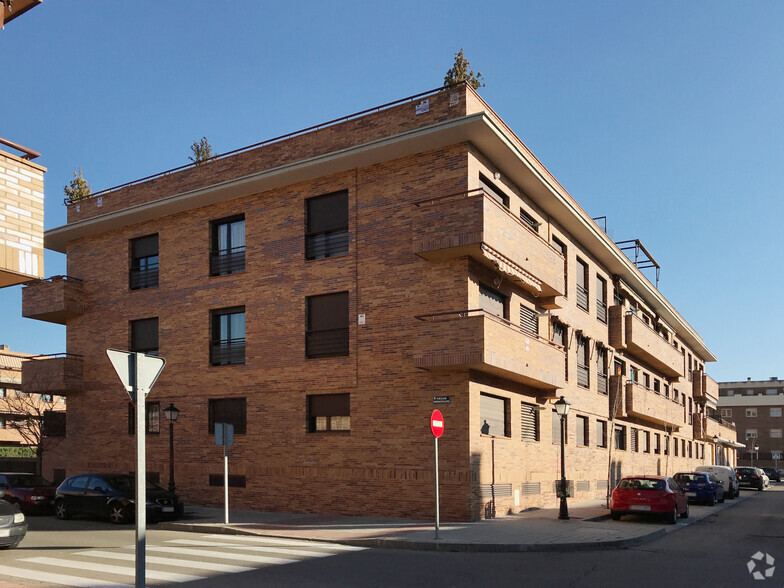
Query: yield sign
[137, 371]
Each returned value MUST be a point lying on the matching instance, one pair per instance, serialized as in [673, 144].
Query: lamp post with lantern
[562, 409]
[171, 413]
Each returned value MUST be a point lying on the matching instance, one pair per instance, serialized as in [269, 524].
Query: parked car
[13, 527]
[773, 474]
[751, 478]
[31, 492]
[112, 496]
[726, 475]
[649, 495]
[700, 487]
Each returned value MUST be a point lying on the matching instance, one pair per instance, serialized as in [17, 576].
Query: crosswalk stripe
[217, 555]
[58, 579]
[262, 548]
[277, 541]
[109, 569]
[196, 565]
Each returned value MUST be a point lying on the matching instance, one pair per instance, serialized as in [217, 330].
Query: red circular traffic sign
[437, 423]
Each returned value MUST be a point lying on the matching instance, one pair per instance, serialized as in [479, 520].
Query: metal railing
[327, 343]
[582, 297]
[227, 261]
[328, 244]
[601, 310]
[227, 352]
[143, 277]
[28, 153]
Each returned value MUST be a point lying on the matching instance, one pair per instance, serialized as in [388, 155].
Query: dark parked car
[773, 474]
[649, 495]
[700, 487]
[13, 527]
[751, 477]
[31, 492]
[112, 496]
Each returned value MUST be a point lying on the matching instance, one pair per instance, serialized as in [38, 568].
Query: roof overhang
[17, 8]
[480, 129]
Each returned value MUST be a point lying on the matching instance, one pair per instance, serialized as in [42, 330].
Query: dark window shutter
[328, 405]
[492, 410]
[144, 246]
[491, 301]
[329, 311]
[529, 320]
[327, 213]
[144, 335]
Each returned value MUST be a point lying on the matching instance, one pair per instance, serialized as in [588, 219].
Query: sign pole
[225, 481]
[437, 501]
[437, 428]
[141, 469]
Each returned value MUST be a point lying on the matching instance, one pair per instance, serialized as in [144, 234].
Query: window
[144, 336]
[675, 447]
[582, 431]
[666, 390]
[54, 423]
[666, 445]
[582, 284]
[683, 447]
[529, 320]
[691, 411]
[751, 412]
[327, 326]
[751, 433]
[634, 374]
[690, 455]
[560, 247]
[327, 225]
[152, 420]
[633, 440]
[601, 370]
[494, 414]
[227, 342]
[727, 413]
[231, 411]
[656, 443]
[620, 437]
[529, 220]
[771, 392]
[492, 301]
[529, 422]
[583, 371]
[620, 367]
[646, 441]
[2, 392]
[730, 392]
[329, 413]
[144, 263]
[646, 380]
[227, 249]
[775, 433]
[774, 412]
[601, 299]
[601, 433]
[493, 191]
[556, 421]
[48, 398]
[560, 337]
[656, 386]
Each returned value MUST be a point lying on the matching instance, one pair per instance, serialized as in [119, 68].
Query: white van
[726, 476]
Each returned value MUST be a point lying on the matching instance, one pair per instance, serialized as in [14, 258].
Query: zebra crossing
[171, 561]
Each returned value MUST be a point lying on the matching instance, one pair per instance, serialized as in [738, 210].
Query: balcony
[54, 300]
[706, 428]
[474, 224]
[645, 404]
[629, 332]
[59, 374]
[476, 340]
[704, 388]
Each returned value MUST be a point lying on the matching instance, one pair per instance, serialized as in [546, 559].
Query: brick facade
[428, 239]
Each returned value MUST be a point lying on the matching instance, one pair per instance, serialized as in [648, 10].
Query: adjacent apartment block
[318, 290]
[755, 406]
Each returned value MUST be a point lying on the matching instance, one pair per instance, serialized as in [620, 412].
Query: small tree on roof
[460, 73]
[202, 151]
[78, 189]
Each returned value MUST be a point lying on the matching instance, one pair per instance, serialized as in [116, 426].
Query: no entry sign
[437, 423]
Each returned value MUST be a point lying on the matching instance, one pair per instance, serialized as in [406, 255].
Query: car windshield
[641, 484]
[689, 477]
[127, 484]
[21, 481]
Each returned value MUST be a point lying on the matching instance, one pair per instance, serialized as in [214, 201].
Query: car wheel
[712, 500]
[685, 513]
[118, 514]
[60, 510]
[615, 515]
[672, 518]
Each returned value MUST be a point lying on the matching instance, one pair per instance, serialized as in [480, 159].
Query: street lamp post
[754, 449]
[171, 413]
[562, 409]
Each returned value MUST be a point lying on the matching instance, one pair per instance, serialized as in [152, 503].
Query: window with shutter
[327, 332]
[143, 272]
[529, 422]
[327, 225]
[329, 413]
[529, 320]
[492, 301]
[144, 336]
[227, 410]
[494, 414]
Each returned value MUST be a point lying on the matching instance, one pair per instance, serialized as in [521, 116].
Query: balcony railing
[227, 261]
[475, 339]
[705, 428]
[329, 244]
[629, 332]
[227, 352]
[55, 300]
[474, 224]
[327, 343]
[140, 278]
[645, 404]
[59, 374]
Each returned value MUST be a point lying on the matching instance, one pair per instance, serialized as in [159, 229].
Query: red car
[649, 495]
[30, 492]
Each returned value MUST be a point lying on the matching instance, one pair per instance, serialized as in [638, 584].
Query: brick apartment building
[320, 289]
[756, 408]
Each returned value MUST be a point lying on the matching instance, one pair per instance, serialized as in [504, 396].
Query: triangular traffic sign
[146, 373]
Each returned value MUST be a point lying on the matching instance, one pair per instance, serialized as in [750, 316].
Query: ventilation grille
[500, 490]
[583, 486]
[529, 488]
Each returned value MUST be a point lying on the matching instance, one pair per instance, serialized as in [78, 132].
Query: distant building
[756, 408]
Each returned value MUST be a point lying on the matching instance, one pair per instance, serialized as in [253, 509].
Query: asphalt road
[712, 552]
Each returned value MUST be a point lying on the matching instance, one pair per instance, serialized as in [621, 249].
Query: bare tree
[38, 420]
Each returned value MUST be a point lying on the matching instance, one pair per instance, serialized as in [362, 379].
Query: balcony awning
[510, 268]
[729, 443]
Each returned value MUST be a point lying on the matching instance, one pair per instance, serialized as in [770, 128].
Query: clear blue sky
[666, 117]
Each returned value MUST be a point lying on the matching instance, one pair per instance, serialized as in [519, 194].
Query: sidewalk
[589, 527]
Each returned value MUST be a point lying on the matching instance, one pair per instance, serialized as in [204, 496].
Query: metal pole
[171, 456]
[563, 513]
[141, 473]
[225, 480]
[437, 503]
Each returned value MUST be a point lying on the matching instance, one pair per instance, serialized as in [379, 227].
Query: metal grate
[582, 297]
[499, 490]
[529, 422]
[328, 244]
[529, 488]
[140, 278]
[583, 486]
[528, 320]
[227, 261]
[601, 485]
[227, 352]
[583, 376]
[326, 343]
